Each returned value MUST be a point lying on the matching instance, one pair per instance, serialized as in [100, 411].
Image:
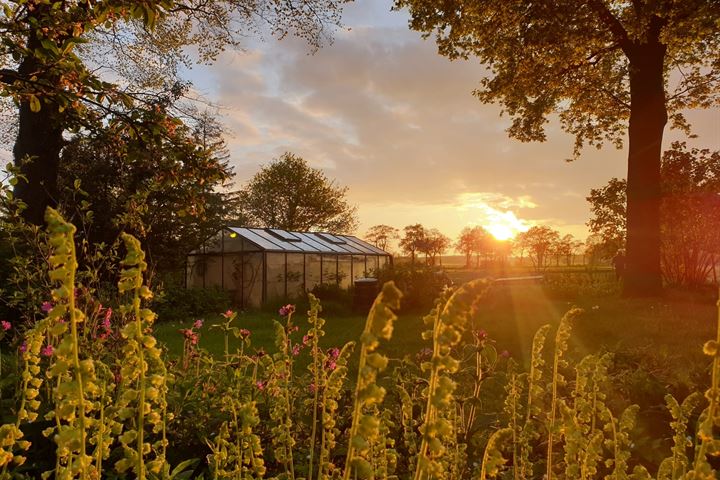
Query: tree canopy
[168, 194]
[291, 195]
[76, 65]
[382, 235]
[690, 215]
[606, 68]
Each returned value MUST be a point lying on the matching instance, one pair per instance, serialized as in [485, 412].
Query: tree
[412, 241]
[382, 235]
[139, 45]
[566, 247]
[539, 242]
[604, 67]
[473, 240]
[165, 193]
[608, 221]
[432, 244]
[290, 195]
[689, 212]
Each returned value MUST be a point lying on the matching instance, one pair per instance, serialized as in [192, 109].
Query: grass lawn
[673, 329]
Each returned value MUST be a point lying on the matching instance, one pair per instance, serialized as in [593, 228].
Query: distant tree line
[541, 245]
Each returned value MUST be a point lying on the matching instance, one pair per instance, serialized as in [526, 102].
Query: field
[675, 327]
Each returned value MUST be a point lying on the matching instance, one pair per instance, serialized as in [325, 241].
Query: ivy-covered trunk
[648, 116]
[37, 148]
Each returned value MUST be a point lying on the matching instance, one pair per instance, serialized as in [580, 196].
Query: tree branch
[617, 29]
[8, 75]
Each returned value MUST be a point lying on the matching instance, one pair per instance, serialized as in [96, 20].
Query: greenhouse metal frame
[258, 265]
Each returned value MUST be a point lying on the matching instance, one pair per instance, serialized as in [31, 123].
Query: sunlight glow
[492, 212]
[501, 232]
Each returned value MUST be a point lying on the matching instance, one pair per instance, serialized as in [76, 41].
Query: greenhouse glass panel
[383, 262]
[213, 271]
[372, 265]
[295, 274]
[275, 276]
[312, 271]
[344, 276]
[329, 269]
[358, 267]
[251, 279]
[195, 271]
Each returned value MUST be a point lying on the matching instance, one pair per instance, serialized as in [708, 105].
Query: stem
[76, 357]
[356, 407]
[429, 410]
[552, 417]
[315, 399]
[101, 431]
[141, 402]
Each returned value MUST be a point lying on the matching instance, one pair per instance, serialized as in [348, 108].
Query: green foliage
[175, 303]
[291, 195]
[420, 284]
[149, 186]
[690, 180]
[256, 414]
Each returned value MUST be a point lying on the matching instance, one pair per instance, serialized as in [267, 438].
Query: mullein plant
[279, 367]
[236, 450]
[76, 393]
[365, 429]
[13, 446]
[558, 380]
[330, 398]
[141, 406]
[582, 433]
[448, 321]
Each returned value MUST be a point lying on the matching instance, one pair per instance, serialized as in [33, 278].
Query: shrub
[177, 304]
[420, 284]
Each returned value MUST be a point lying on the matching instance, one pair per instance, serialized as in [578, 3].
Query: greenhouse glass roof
[276, 240]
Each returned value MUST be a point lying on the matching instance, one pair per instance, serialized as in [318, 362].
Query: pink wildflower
[480, 335]
[312, 387]
[260, 385]
[333, 353]
[46, 307]
[330, 365]
[23, 347]
[47, 351]
[108, 314]
[286, 310]
[198, 323]
[306, 339]
[244, 332]
[296, 349]
[228, 314]
[5, 325]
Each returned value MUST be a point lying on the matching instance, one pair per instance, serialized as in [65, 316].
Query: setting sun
[501, 232]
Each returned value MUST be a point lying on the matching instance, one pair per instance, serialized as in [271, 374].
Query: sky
[382, 113]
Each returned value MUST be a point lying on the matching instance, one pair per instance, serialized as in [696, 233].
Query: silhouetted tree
[382, 235]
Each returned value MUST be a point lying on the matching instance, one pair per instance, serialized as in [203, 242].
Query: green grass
[674, 327]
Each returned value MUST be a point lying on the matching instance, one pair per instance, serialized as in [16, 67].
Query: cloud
[381, 112]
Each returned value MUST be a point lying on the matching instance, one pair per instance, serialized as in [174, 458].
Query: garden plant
[98, 397]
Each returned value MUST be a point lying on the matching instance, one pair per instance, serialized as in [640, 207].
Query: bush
[177, 304]
[420, 284]
[569, 286]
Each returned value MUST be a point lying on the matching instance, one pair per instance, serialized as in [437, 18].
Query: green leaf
[34, 104]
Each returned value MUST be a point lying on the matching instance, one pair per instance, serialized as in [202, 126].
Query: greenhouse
[258, 265]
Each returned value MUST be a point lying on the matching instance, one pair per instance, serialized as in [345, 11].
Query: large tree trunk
[648, 116]
[37, 153]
